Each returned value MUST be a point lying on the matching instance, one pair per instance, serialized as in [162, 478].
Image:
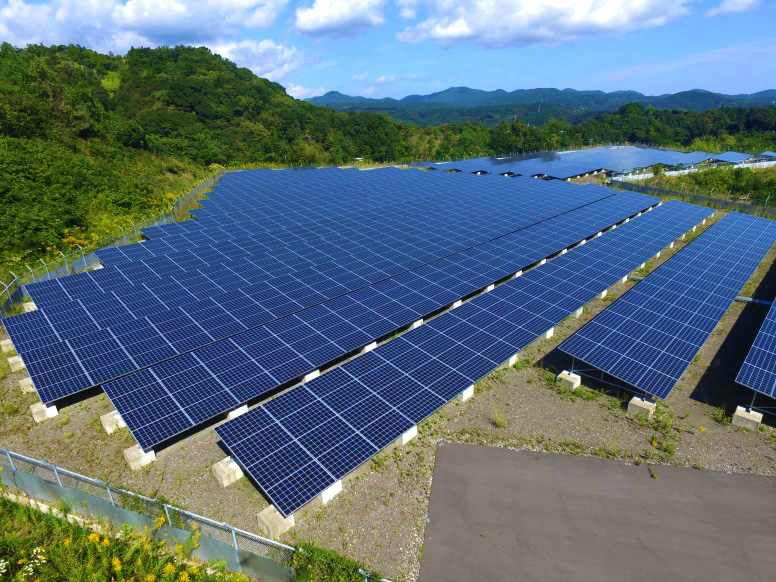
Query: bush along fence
[241, 551]
[718, 203]
[84, 258]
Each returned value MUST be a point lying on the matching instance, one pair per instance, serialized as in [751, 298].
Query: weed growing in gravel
[720, 417]
[5, 368]
[498, 419]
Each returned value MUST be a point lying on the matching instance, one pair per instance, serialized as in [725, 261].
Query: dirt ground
[379, 518]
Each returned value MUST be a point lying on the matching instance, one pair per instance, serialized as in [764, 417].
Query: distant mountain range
[534, 106]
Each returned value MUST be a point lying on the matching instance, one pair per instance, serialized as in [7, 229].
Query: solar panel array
[175, 395]
[303, 441]
[74, 345]
[759, 369]
[649, 336]
[575, 163]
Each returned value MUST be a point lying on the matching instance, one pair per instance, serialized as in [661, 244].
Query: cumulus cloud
[264, 57]
[116, 25]
[730, 6]
[299, 92]
[407, 8]
[500, 23]
[339, 17]
[360, 77]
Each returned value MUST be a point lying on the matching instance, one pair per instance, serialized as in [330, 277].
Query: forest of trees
[90, 141]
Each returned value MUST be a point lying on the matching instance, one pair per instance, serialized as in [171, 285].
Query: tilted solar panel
[303, 441]
[759, 369]
[265, 357]
[648, 337]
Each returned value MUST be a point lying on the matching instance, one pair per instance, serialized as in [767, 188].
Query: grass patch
[499, 419]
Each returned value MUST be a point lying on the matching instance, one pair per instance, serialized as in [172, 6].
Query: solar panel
[100, 343]
[303, 441]
[758, 372]
[575, 163]
[649, 336]
[283, 350]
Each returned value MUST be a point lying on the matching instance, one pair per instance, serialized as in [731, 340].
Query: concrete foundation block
[603, 293]
[98, 266]
[671, 245]
[331, 491]
[16, 363]
[457, 304]
[642, 265]
[407, 436]
[416, 324]
[684, 236]
[583, 241]
[748, 419]
[112, 422]
[41, 412]
[657, 256]
[468, 393]
[272, 524]
[569, 380]
[624, 280]
[578, 312]
[518, 274]
[564, 251]
[512, 361]
[137, 458]
[29, 306]
[627, 219]
[490, 288]
[542, 262]
[26, 385]
[600, 232]
[703, 221]
[641, 406]
[237, 412]
[6, 346]
[368, 347]
[694, 227]
[226, 471]
[549, 333]
[311, 376]
[639, 214]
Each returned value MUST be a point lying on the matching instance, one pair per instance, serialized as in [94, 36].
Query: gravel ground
[379, 518]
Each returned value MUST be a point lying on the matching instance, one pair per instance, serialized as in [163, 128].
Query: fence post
[10, 460]
[110, 495]
[56, 474]
[83, 259]
[167, 513]
[234, 536]
[67, 267]
[45, 266]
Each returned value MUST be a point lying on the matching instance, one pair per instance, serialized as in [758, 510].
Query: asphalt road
[497, 514]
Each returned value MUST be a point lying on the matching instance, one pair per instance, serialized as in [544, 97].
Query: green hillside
[91, 142]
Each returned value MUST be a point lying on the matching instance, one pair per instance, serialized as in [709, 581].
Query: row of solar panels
[301, 442]
[563, 165]
[649, 336]
[104, 335]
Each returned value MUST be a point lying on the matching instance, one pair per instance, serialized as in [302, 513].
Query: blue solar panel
[287, 348]
[155, 336]
[759, 369]
[575, 163]
[374, 398]
[649, 336]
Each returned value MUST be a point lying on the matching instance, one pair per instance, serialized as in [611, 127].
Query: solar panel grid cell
[759, 369]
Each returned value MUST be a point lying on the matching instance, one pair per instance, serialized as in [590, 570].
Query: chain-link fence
[239, 539]
[719, 203]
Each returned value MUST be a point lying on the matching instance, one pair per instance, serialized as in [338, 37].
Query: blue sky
[392, 48]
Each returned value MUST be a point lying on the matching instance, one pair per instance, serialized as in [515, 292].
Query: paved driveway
[497, 514]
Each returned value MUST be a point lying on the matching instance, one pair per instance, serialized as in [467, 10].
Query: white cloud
[116, 25]
[340, 17]
[264, 57]
[500, 23]
[299, 92]
[360, 77]
[408, 8]
[385, 79]
[730, 6]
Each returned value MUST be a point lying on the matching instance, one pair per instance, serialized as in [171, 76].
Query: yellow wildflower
[20, 562]
[169, 569]
[160, 522]
[654, 442]
[105, 542]
[150, 578]
[67, 542]
[702, 428]
[183, 577]
[116, 564]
